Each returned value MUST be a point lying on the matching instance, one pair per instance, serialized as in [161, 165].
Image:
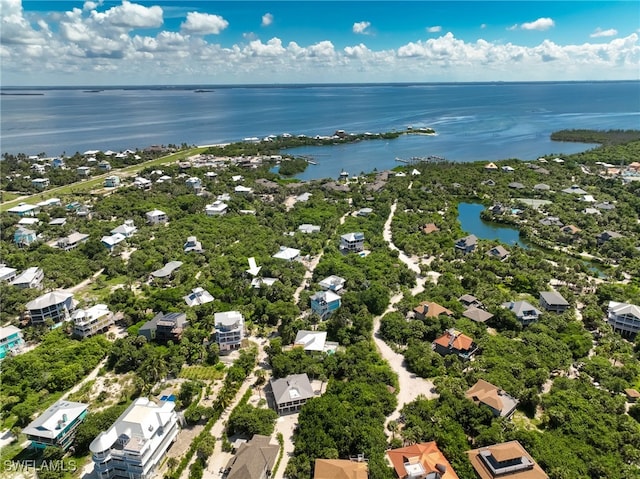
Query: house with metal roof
[352, 242]
[137, 442]
[56, 305]
[324, 303]
[229, 327]
[553, 301]
[11, 340]
[57, 425]
[624, 318]
[91, 321]
[198, 296]
[30, 278]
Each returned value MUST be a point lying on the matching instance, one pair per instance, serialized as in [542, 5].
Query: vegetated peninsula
[333, 325]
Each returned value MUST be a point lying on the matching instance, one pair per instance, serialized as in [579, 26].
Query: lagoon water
[471, 223]
[474, 121]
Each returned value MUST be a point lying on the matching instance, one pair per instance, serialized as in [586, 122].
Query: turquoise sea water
[474, 121]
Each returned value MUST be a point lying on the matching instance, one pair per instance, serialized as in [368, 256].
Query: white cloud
[203, 24]
[361, 27]
[434, 29]
[130, 15]
[513, 27]
[541, 24]
[599, 32]
[80, 46]
[483, 26]
[267, 19]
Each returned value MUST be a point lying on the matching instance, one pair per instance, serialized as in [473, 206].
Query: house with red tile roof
[455, 342]
[420, 460]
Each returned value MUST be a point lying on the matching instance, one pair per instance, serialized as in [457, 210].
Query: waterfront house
[309, 229]
[127, 229]
[291, 393]
[112, 181]
[229, 327]
[340, 469]
[11, 341]
[7, 274]
[57, 425]
[24, 209]
[56, 305]
[429, 309]
[508, 459]
[24, 236]
[624, 318]
[72, 241]
[91, 321]
[217, 208]
[467, 244]
[333, 283]
[352, 242]
[552, 301]
[164, 327]
[40, 183]
[423, 460]
[155, 217]
[137, 442]
[288, 254]
[551, 221]
[314, 341]
[198, 296]
[455, 342]
[83, 171]
[254, 459]
[30, 278]
[525, 312]
[324, 303]
[57, 163]
[500, 403]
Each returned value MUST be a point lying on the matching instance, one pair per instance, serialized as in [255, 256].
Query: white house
[352, 242]
[198, 296]
[7, 274]
[308, 228]
[142, 183]
[288, 254]
[137, 442]
[217, 208]
[30, 278]
[291, 393]
[127, 229]
[333, 283]
[91, 321]
[56, 305]
[24, 209]
[229, 327]
[40, 183]
[112, 241]
[242, 190]
[156, 217]
[83, 171]
[314, 341]
[624, 318]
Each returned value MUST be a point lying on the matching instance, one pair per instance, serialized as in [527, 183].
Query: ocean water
[473, 121]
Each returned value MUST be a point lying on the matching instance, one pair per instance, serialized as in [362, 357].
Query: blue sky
[200, 42]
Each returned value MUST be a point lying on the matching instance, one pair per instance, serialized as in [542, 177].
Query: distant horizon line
[298, 85]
